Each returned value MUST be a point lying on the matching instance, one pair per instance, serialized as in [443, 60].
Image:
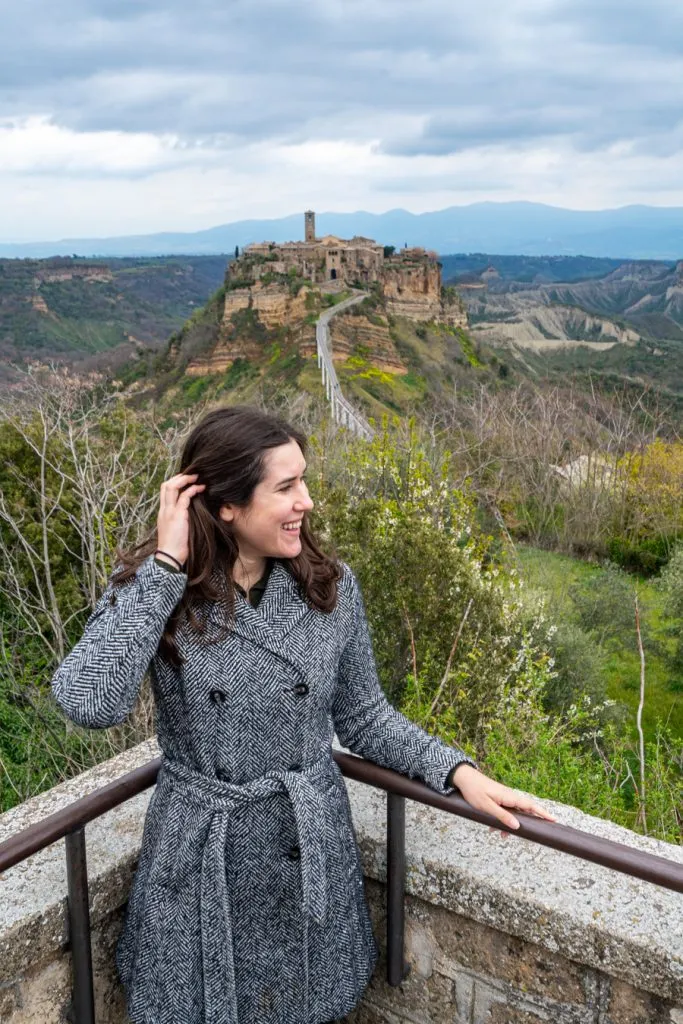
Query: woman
[248, 905]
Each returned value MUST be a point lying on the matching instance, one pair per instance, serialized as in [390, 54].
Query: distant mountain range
[532, 229]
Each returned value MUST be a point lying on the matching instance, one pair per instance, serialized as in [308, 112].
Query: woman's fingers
[520, 803]
[540, 812]
[189, 493]
[171, 488]
[493, 808]
[173, 522]
[174, 483]
[493, 798]
[525, 803]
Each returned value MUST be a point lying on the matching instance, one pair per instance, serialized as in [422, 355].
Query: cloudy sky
[133, 116]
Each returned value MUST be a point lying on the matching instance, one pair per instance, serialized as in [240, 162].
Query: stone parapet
[498, 930]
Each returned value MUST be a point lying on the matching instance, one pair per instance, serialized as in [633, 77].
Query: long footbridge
[342, 410]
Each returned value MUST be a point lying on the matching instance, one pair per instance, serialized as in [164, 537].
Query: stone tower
[309, 220]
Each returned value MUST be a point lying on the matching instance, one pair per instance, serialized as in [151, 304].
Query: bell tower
[309, 223]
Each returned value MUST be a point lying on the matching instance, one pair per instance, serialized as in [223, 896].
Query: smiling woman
[248, 902]
[273, 521]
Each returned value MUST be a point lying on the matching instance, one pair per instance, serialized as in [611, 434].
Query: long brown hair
[227, 450]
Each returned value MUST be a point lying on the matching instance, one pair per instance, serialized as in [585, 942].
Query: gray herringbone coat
[248, 904]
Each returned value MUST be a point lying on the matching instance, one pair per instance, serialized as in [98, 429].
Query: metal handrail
[70, 821]
[648, 866]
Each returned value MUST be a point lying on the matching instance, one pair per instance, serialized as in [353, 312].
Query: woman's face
[281, 498]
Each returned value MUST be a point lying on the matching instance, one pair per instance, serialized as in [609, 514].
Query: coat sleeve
[366, 722]
[98, 682]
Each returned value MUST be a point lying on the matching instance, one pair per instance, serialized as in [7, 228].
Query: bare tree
[91, 481]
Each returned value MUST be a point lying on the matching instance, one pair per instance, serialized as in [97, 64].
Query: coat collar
[280, 609]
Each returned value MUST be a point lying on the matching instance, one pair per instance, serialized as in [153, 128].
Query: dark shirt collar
[260, 585]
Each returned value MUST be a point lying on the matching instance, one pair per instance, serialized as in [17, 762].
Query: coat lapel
[279, 611]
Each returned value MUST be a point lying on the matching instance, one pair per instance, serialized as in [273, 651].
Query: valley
[98, 310]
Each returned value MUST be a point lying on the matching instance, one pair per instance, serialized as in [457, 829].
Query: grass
[554, 574]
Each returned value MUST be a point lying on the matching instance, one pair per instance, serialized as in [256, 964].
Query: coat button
[294, 853]
[294, 768]
[113, 599]
[222, 776]
[301, 689]
[217, 696]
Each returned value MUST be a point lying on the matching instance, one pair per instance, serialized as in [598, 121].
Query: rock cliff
[351, 335]
[264, 309]
[86, 272]
[412, 288]
[275, 306]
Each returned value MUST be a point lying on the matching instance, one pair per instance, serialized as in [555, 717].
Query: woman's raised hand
[173, 522]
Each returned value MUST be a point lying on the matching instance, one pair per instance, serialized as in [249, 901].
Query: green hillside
[70, 307]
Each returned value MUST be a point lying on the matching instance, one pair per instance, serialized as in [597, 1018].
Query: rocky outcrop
[274, 304]
[412, 288]
[350, 334]
[39, 304]
[453, 310]
[275, 307]
[222, 356]
[83, 273]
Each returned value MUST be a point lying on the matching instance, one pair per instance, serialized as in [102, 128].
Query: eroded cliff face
[252, 314]
[413, 290]
[275, 307]
[273, 303]
[454, 311]
[351, 334]
[85, 273]
[39, 304]
[522, 318]
[674, 293]
[222, 356]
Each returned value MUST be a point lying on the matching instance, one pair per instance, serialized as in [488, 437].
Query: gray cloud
[431, 79]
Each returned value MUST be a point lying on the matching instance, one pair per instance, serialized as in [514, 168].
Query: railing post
[82, 1001]
[397, 969]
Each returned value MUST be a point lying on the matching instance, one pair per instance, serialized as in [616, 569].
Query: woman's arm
[370, 726]
[367, 724]
[98, 682]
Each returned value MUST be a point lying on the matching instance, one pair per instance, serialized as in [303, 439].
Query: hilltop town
[283, 287]
[409, 280]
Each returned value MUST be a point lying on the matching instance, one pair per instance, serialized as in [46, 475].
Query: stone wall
[498, 930]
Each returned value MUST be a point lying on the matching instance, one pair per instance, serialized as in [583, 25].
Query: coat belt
[221, 798]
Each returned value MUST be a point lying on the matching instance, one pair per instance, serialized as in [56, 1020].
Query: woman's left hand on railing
[491, 797]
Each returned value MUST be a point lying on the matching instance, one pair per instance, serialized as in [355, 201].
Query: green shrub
[646, 555]
[427, 580]
[671, 583]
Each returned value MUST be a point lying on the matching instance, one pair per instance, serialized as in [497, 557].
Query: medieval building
[409, 280]
[356, 260]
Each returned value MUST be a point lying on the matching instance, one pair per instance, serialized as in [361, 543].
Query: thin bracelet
[180, 565]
